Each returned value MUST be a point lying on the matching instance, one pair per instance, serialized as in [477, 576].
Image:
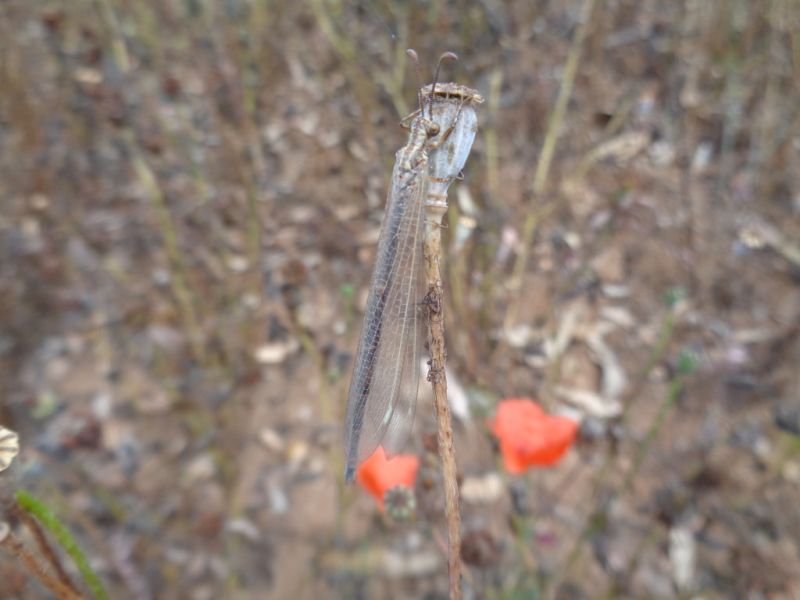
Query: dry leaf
[590, 402]
[683, 556]
[484, 489]
[420, 563]
[276, 352]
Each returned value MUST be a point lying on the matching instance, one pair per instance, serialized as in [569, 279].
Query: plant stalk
[438, 378]
[12, 544]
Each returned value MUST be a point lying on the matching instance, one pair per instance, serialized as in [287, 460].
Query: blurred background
[191, 197]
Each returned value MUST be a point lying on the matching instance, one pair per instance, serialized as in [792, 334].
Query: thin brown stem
[12, 544]
[179, 279]
[551, 138]
[44, 546]
[438, 379]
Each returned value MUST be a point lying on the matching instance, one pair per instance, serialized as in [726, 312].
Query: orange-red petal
[378, 473]
[530, 437]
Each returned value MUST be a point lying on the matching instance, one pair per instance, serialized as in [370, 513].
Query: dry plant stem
[492, 146]
[14, 546]
[47, 518]
[44, 547]
[118, 47]
[551, 138]
[667, 404]
[438, 379]
[177, 263]
[323, 12]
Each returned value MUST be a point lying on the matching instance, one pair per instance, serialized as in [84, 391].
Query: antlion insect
[383, 390]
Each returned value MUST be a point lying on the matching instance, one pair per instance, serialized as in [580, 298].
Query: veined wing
[383, 390]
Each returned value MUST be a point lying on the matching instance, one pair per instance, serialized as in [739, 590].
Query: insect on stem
[383, 391]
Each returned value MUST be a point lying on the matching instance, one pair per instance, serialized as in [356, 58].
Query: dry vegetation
[191, 192]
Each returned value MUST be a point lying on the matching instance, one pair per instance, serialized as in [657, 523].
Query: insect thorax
[414, 150]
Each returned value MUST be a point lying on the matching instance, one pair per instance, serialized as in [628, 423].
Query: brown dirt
[191, 197]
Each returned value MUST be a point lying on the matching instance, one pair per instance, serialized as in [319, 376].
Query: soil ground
[191, 198]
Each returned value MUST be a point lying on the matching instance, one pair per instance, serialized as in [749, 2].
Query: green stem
[47, 517]
[675, 389]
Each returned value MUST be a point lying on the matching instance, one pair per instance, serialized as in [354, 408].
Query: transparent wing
[383, 390]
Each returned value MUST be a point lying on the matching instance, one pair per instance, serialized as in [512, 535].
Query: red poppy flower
[378, 474]
[529, 437]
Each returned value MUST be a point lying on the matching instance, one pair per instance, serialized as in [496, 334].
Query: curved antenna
[417, 69]
[445, 56]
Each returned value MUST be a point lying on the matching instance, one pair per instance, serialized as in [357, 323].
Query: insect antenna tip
[445, 56]
[417, 69]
